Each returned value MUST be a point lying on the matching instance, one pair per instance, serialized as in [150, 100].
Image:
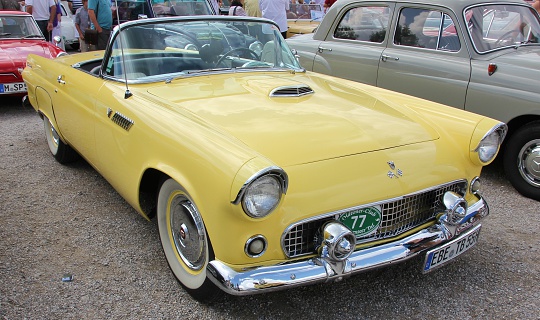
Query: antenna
[128, 93]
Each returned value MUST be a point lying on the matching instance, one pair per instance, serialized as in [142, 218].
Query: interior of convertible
[154, 51]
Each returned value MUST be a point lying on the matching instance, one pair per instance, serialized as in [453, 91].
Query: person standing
[237, 8]
[74, 5]
[10, 5]
[82, 22]
[100, 14]
[56, 31]
[276, 10]
[252, 8]
[44, 12]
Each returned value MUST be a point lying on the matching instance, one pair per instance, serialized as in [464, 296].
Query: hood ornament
[394, 173]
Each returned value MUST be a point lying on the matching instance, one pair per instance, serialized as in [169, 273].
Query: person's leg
[42, 24]
[83, 46]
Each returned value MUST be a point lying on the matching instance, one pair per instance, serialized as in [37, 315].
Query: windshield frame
[116, 52]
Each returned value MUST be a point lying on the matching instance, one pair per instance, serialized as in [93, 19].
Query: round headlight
[262, 196]
[489, 146]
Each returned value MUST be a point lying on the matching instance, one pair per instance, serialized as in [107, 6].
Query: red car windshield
[18, 27]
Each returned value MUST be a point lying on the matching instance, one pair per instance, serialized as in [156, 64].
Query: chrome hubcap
[188, 233]
[529, 162]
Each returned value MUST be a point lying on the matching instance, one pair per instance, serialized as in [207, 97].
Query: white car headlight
[262, 196]
[262, 192]
[489, 145]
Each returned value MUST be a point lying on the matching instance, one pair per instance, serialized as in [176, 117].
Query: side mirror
[57, 40]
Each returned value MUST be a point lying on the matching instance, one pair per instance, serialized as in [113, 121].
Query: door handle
[321, 49]
[385, 57]
[59, 79]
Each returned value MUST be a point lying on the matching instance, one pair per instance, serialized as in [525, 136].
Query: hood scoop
[291, 91]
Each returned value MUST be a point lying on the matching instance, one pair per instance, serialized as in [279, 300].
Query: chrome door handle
[321, 49]
[385, 57]
[59, 79]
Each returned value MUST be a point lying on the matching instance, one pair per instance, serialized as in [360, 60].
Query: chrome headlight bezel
[261, 194]
[488, 147]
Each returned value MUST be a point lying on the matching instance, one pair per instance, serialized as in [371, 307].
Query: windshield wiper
[195, 72]
[206, 70]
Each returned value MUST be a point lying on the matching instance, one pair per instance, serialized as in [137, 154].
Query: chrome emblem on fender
[394, 173]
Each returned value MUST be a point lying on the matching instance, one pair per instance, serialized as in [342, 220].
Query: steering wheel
[506, 36]
[252, 53]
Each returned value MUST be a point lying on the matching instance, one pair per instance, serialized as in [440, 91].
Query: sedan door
[426, 57]
[353, 47]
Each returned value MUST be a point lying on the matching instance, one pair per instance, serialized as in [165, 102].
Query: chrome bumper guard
[322, 269]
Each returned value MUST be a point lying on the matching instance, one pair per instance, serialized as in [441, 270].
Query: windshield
[492, 27]
[17, 27]
[165, 49]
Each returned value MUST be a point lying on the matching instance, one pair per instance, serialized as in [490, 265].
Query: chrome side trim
[319, 269]
[121, 120]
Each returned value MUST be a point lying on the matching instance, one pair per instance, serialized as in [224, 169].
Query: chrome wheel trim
[171, 196]
[187, 232]
[53, 139]
[529, 162]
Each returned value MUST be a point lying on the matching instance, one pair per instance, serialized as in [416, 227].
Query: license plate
[12, 87]
[437, 257]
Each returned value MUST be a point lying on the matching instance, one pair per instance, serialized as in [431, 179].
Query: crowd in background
[98, 14]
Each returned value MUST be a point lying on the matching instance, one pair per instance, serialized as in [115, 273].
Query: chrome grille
[398, 216]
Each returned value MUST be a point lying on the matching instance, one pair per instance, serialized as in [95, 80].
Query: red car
[20, 36]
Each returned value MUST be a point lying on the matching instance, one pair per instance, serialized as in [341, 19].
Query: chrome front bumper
[321, 269]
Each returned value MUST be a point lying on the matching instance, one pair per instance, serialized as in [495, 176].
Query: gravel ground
[60, 220]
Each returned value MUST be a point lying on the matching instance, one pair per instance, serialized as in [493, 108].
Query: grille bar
[399, 215]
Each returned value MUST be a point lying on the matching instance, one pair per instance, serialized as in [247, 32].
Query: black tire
[521, 160]
[62, 152]
[185, 241]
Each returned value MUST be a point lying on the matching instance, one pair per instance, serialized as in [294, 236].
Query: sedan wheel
[522, 160]
[184, 240]
[62, 152]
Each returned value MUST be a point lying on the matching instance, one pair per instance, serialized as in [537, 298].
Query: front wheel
[522, 160]
[185, 241]
[62, 152]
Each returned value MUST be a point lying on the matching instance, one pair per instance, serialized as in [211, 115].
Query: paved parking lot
[58, 221]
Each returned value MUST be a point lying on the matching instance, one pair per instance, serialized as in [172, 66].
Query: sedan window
[364, 24]
[427, 29]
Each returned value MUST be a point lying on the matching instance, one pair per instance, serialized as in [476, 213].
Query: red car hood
[13, 53]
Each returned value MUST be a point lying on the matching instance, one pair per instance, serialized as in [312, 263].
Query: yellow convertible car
[263, 176]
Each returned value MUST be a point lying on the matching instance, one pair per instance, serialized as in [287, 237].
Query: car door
[74, 108]
[354, 44]
[426, 56]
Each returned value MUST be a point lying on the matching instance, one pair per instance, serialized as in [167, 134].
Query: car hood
[14, 52]
[526, 57]
[333, 121]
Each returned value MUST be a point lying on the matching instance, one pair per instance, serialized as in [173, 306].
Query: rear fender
[45, 108]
